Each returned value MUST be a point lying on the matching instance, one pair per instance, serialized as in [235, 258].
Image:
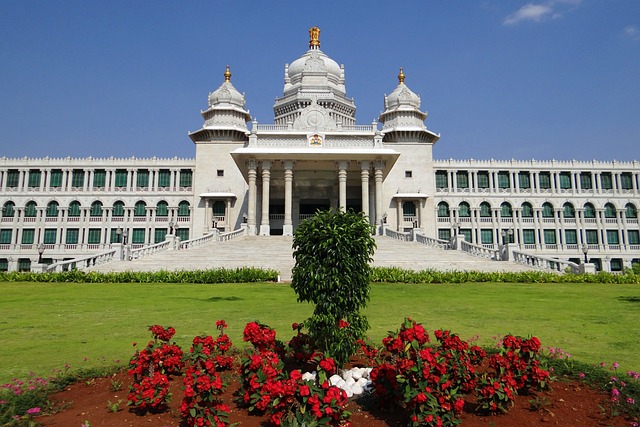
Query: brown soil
[568, 404]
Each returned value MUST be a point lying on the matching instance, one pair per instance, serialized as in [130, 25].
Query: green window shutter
[30, 210]
[118, 209]
[442, 179]
[121, 178]
[50, 236]
[74, 209]
[162, 209]
[592, 237]
[506, 211]
[634, 237]
[99, 178]
[94, 236]
[408, 209]
[27, 236]
[4, 264]
[606, 182]
[609, 211]
[485, 210]
[113, 236]
[525, 180]
[8, 210]
[527, 210]
[72, 236]
[96, 209]
[5, 236]
[547, 210]
[159, 235]
[444, 234]
[183, 233]
[569, 211]
[464, 210]
[483, 179]
[443, 210]
[462, 178]
[545, 180]
[164, 178]
[219, 208]
[13, 177]
[565, 180]
[529, 237]
[486, 236]
[631, 211]
[626, 181]
[186, 178]
[56, 178]
[466, 232]
[549, 237]
[34, 178]
[77, 178]
[585, 181]
[571, 237]
[143, 178]
[52, 210]
[613, 237]
[24, 264]
[616, 264]
[137, 236]
[589, 211]
[140, 209]
[183, 208]
[503, 180]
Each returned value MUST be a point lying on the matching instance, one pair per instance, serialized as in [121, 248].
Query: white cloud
[539, 12]
[632, 32]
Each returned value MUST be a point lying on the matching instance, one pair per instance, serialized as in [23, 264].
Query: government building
[265, 179]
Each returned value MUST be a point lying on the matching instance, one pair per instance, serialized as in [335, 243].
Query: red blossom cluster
[260, 336]
[301, 346]
[150, 394]
[162, 334]
[202, 386]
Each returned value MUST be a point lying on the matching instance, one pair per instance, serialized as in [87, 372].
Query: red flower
[343, 324]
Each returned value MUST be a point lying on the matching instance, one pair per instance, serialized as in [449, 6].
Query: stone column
[251, 215]
[379, 165]
[266, 179]
[342, 184]
[287, 228]
[207, 215]
[227, 217]
[364, 177]
[400, 221]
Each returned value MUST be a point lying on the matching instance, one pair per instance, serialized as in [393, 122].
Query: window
[113, 236]
[94, 236]
[549, 237]
[609, 211]
[159, 235]
[52, 210]
[5, 236]
[219, 208]
[50, 235]
[27, 236]
[444, 234]
[140, 209]
[524, 180]
[545, 180]
[565, 180]
[568, 211]
[592, 237]
[99, 178]
[486, 236]
[137, 236]
[485, 210]
[464, 210]
[547, 210]
[34, 178]
[74, 209]
[505, 210]
[121, 178]
[408, 174]
[631, 211]
[96, 209]
[56, 178]
[13, 178]
[30, 210]
[466, 232]
[613, 237]
[616, 264]
[4, 264]
[527, 210]
[118, 209]
[634, 237]
[162, 209]
[183, 208]
[462, 179]
[626, 181]
[183, 233]
[408, 209]
[589, 211]
[220, 172]
[143, 178]
[606, 182]
[442, 179]
[443, 210]
[24, 264]
[72, 236]
[186, 178]
[77, 178]
[529, 237]
[503, 179]
[571, 237]
[164, 178]
[8, 210]
[585, 181]
[483, 179]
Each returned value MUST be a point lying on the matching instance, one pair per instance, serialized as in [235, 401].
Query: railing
[82, 263]
[479, 251]
[430, 241]
[543, 262]
[149, 250]
[192, 243]
[232, 235]
[405, 237]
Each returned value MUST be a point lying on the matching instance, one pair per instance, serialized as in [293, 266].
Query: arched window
[162, 209]
[409, 209]
[219, 208]
[443, 210]
[52, 209]
[505, 210]
[74, 209]
[568, 210]
[118, 209]
[96, 208]
[140, 209]
[527, 210]
[30, 210]
[631, 211]
[464, 211]
[485, 209]
[183, 208]
[589, 211]
[547, 210]
[609, 210]
[8, 210]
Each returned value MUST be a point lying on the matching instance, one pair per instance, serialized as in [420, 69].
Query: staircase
[275, 252]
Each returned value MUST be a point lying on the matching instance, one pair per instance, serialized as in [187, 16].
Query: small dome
[226, 93]
[401, 96]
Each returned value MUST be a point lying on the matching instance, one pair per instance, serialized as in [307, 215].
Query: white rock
[357, 373]
[356, 389]
[334, 379]
[362, 382]
[309, 376]
[350, 382]
[346, 374]
[349, 392]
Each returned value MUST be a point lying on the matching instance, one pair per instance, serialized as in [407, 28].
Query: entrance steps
[275, 252]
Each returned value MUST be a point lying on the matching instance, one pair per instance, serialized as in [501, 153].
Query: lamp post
[244, 217]
[40, 248]
[170, 227]
[175, 228]
[125, 234]
[585, 250]
[457, 226]
[119, 234]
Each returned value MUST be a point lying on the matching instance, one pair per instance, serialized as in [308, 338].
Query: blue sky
[549, 79]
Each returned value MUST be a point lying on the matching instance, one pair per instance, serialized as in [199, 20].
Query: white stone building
[270, 177]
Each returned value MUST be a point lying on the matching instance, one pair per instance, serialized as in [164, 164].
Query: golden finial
[401, 77]
[314, 42]
[227, 75]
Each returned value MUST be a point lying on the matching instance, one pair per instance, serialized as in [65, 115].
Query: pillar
[364, 177]
[379, 165]
[266, 179]
[287, 229]
[251, 215]
[342, 184]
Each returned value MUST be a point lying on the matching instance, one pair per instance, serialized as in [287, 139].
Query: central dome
[314, 66]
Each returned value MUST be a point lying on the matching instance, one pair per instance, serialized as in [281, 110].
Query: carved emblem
[315, 140]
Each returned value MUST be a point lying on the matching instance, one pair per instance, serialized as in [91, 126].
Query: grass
[45, 326]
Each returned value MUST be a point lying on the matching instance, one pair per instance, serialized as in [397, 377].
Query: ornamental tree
[332, 252]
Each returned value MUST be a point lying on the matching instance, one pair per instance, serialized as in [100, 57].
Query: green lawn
[45, 326]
